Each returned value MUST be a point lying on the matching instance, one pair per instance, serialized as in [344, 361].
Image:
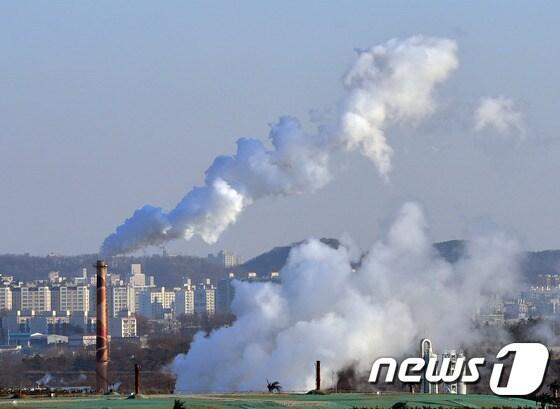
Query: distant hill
[451, 250]
[533, 264]
[275, 259]
[170, 271]
[541, 262]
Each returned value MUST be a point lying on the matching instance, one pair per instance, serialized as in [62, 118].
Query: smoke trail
[324, 310]
[387, 84]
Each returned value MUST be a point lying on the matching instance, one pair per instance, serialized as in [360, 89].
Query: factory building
[455, 387]
[33, 321]
[49, 322]
[41, 341]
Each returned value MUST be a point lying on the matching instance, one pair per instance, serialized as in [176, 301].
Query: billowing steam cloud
[392, 83]
[388, 84]
[324, 310]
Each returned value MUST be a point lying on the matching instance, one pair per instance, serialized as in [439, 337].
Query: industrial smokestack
[136, 379]
[102, 346]
[318, 375]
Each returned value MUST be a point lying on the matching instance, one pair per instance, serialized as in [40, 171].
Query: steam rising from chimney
[388, 84]
[402, 291]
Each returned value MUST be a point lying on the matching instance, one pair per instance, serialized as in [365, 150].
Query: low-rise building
[123, 327]
[38, 340]
[82, 341]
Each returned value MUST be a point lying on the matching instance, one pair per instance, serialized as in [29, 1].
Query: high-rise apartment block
[32, 298]
[5, 299]
[71, 298]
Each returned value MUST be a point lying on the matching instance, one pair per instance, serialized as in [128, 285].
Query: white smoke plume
[323, 310]
[500, 114]
[388, 84]
[393, 83]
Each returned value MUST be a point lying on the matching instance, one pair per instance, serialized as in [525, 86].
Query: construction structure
[458, 387]
[427, 353]
[102, 338]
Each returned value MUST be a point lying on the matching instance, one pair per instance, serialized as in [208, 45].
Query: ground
[293, 401]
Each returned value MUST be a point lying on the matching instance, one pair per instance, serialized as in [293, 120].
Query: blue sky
[105, 106]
